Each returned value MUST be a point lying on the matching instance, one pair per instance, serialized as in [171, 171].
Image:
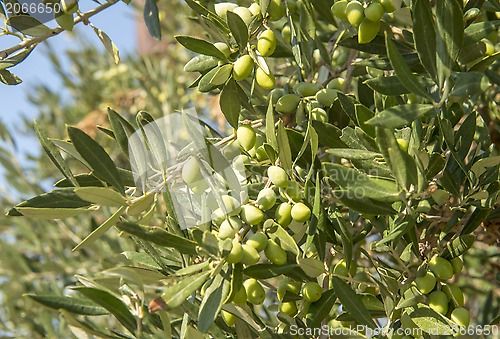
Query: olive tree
[358, 170]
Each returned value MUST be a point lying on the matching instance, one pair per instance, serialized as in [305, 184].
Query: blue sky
[117, 22]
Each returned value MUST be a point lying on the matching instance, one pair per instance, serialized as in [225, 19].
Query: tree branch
[56, 31]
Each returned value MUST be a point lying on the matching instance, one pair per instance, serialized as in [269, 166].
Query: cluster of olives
[366, 17]
[318, 99]
[443, 297]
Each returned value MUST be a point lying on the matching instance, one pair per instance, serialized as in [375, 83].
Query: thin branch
[56, 31]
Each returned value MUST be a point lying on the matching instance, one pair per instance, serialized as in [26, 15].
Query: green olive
[306, 89]
[367, 31]
[438, 301]
[251, 215]
[403, 144]
[289, 308]
[388, 5]
[229, 318]
[276, 10]
[454, 294]
[355, 13]
[244, 13]
[287, 104]
[275, 253]
[255, 9]
[240, 297]
[246, 137]
[243, 67]
[218, 216]
[275, 95]
[278, 176]
[255, 293]
[266, 44]
[319, 114]
[337, 83]
[426, 283]
[231, 205]
[326, 96]
[224, 48]
[191, 173]
[258, 241]
[236, 253]
[441, 268]
[283, 214]
[250, 255]
[339, 9]
[222, 8]
[266, 199]
[457, 264]
[229, 227]
[461, 317]
[312, 291]
[374, 12]
[341, 268]
[300, 212]
[266, 81]
[286, 33]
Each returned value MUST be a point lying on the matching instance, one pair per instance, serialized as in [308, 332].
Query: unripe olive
[278, 176]
[240, 297]
[286, 32]
[236, 253]
[300, 212]
[454, 294]
[287, 285]
[251, 215]
[388, 5]
[222, 8]
[339, 9]
[255, 9]
[326, 96]
[306, 89]
[367, 31]
[275, 94]
[266, 81]
[229, 318]
[266, 199]
[275, 253]
[242, 67]
[244, 13]
[69, 6]
[276, 10]
[337, 83]
[341, 268]
[255, 293]
[438, 301]
[246, 137]
[266, 44]
[403, 144]
[231, 205]
[218, 216]
[229, 227]
[457, 264]
[289, 308]
[319, 114]
[287, 104]
[191, 172]
[250, 255]
[283, 214]
[460, 316]
[441, 268]
[426, 283]
[258, 241]
[355, 13]
[224, 48]
[312, 291]
[374, 12]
